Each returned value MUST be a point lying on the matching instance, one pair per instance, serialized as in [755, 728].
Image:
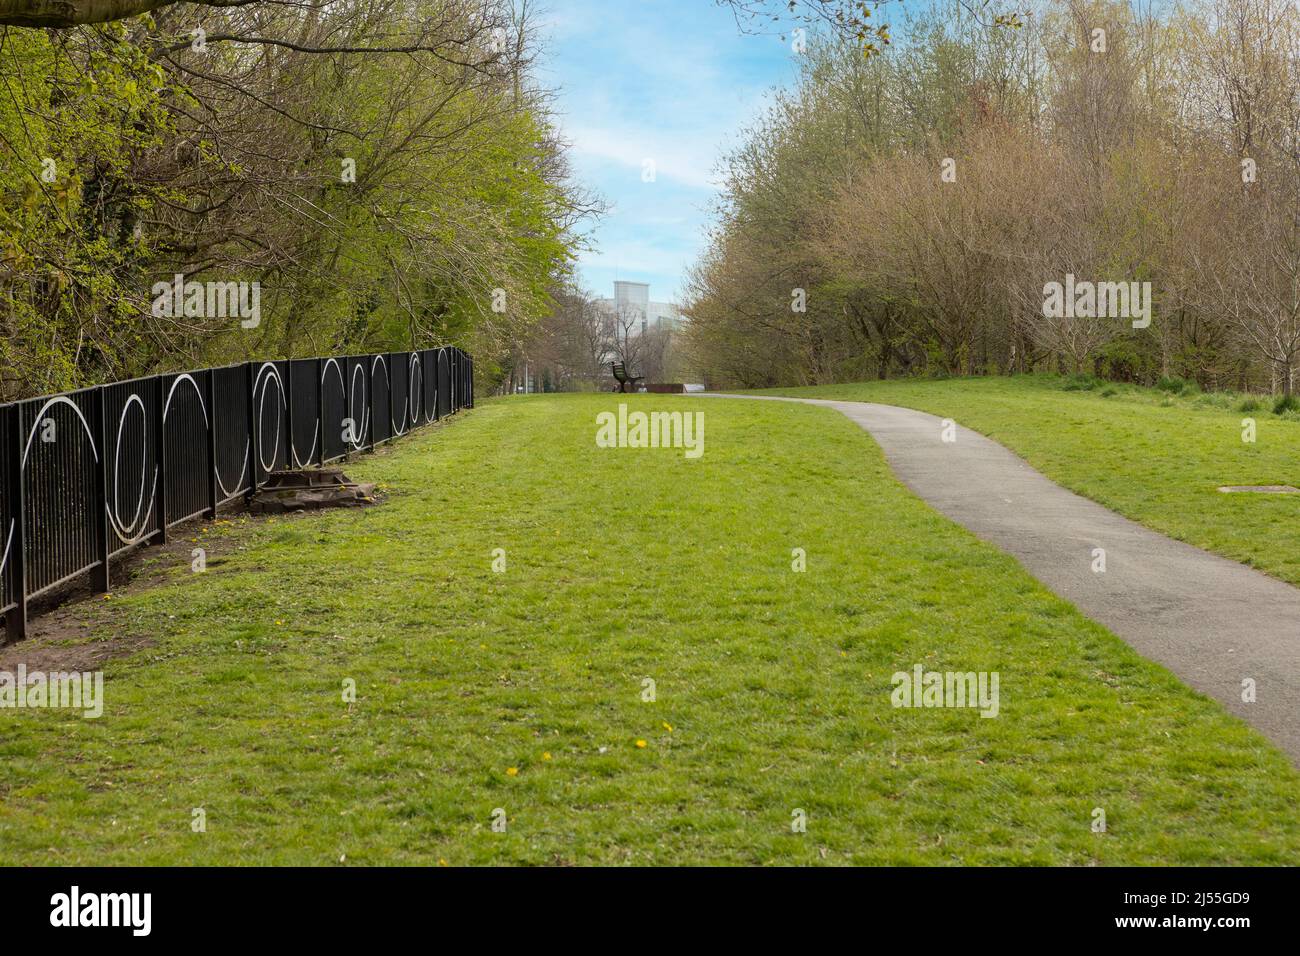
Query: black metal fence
[86, 475]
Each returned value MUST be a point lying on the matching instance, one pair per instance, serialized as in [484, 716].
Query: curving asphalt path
[1211, 621]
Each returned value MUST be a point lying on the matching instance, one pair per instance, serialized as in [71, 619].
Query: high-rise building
[636, 313]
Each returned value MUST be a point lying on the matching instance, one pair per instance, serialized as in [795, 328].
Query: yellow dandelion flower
[546, 755]
[640, 743]
[512, 771]
[668, 727]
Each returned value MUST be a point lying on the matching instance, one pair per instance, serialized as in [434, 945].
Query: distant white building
[631, 305]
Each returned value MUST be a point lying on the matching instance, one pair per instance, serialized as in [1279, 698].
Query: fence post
[16, 620]
[292, 461]
[370, 398]
[320, 410]
[160, 420]
[388, 366]
[212, 442]
[254, 447]
[100, 580]
[347, 407]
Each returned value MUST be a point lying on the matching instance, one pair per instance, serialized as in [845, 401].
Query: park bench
[623, 378]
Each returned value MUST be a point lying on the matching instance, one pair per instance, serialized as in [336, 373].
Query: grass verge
[523, 690]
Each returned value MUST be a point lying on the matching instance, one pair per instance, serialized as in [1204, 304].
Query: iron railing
[87, 475]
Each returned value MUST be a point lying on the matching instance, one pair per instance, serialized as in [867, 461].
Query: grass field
[523, 690]
[1155, 457]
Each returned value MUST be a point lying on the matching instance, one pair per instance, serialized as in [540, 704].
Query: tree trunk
[61, 14]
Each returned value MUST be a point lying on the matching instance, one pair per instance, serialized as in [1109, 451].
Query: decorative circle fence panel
[86, 475]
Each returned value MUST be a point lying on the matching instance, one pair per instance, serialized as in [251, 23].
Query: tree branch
[60, 14]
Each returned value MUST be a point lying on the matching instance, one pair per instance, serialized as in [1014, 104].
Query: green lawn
[1154, 457]
[773, 687]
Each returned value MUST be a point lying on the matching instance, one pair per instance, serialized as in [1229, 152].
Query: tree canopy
[905, 213]
[386, 170]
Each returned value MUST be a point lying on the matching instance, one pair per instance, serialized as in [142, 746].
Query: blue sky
[669, 80]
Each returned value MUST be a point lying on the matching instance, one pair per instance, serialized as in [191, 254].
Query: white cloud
[686, 161]
[667, 80]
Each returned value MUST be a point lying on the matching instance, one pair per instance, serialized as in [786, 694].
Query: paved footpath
[1211, 621]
